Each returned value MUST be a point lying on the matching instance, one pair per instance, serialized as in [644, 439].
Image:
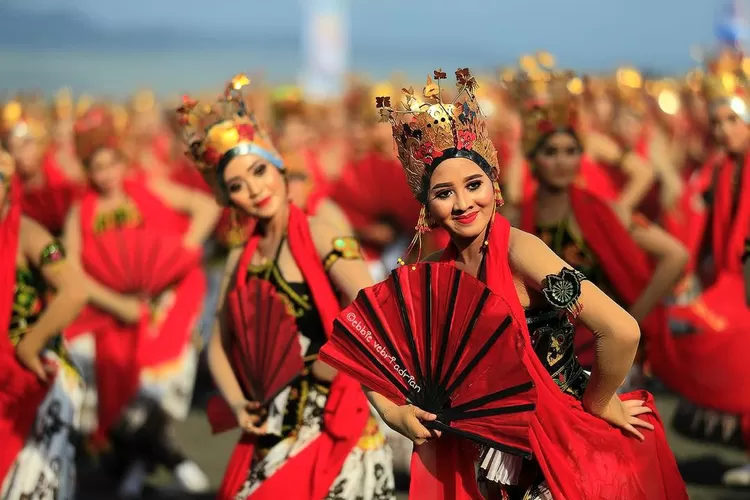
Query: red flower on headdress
[187, 104]
[427, 153]
[211, 156]
[246, 131]
[466, 139]
[545, 127]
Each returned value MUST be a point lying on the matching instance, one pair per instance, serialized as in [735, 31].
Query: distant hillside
[70, 30]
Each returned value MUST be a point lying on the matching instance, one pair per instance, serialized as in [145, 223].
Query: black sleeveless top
[298, 300]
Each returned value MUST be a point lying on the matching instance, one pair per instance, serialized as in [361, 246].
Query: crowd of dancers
[611, 213]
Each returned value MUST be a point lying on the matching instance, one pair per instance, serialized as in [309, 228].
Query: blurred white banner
[325, 47]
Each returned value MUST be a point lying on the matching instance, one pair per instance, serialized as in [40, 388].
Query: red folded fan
[266, 353]
[437, 338]
[49, 205]
[138, 261]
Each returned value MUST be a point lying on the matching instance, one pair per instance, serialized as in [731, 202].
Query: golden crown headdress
[727, 81]
[629, 89]
[428, 129]
[219, 131]
[16, 121]
[547, 99]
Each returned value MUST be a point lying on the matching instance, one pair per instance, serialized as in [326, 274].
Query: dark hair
[545, 137]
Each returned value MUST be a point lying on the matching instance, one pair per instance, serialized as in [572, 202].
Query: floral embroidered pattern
[563, 290]
[124, 216]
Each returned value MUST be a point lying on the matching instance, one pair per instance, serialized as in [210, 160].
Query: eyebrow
[254, 164]
[448, 184]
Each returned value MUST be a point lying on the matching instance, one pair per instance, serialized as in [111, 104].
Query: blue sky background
[412, 35]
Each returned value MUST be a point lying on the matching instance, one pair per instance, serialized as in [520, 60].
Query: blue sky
[579, 32]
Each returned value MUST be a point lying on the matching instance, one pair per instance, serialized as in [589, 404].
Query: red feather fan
[266, 355]
[49, 205]
[437, 338]
[139, 261]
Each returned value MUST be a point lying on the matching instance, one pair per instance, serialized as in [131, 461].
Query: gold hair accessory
[64, 106]
[427, 128]
[217, 131]
[17, 123]
[727, 80]
[7, 167]
[547, 99]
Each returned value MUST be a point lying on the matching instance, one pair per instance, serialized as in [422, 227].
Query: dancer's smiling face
[461, 198]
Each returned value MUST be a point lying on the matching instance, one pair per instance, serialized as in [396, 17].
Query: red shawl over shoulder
[729, 231]
[310, 474]
[581, 456]
[21, 392]
[123, 350]
[58, 194]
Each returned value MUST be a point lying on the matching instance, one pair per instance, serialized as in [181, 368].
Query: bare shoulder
[330, 211]
[33, 237]
[531, 257]
[521, 242]
[323, 233]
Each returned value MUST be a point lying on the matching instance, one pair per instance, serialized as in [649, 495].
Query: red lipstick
[466, 218]
[262, 203]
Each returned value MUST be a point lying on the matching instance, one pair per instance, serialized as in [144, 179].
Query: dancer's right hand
[130, 309]
[624, 414]
[407, 421]
[248, 416]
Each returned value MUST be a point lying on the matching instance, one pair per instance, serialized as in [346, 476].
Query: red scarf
[21, 392]
[580, 455]
[310, 474]
[729, 232]
[57, 191]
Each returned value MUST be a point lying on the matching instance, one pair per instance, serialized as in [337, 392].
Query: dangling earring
[421, 228]
[499, 201]
[236, 233]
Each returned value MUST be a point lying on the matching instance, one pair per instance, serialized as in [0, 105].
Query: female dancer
[723, 418]
[51, 176]
[40, 390]
[576, 434]
[143, 352]
[619, 173]
[329, 445]
[561, 214]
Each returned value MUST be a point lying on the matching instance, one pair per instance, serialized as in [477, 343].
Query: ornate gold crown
[547, 99]
[431, 130]
[217, 132]
[727, 81]
[629, 89]
[17, 123]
